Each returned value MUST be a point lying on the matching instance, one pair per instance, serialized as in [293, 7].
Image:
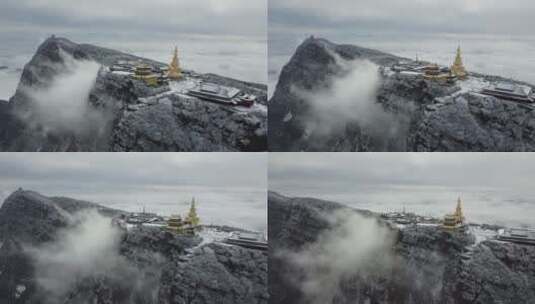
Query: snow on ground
[257, 107]
[387, 71]
[400, 226]
[211, 235]
[123, 73]
[427, 225]
[412, 73]
[19, 290]
[288, 117]
[183, 86]
[472, 84]
[482, 234]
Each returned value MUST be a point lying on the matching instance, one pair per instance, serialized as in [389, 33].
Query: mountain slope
[427, 264]
[58, 250]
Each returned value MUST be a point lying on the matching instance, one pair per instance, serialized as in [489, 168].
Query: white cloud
[356, 246]
[91, 248]
[64, 105]
[349, 97]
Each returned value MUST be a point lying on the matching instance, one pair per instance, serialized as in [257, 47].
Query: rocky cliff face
[124, 114]
[429, 265]
[147, 265]
[421, 115]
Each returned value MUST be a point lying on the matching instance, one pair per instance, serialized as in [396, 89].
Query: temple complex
[455, 220]
[433, 71]
[457, 69]
[174, 72]
[172, 80]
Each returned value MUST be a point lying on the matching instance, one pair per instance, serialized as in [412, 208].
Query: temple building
[144, 72]
[175, 224]
[174, 72]
[510, 91]
[454, 221]
[249, 240]
[517, 235]
[457, 69]
[437, 73]
[222, 94]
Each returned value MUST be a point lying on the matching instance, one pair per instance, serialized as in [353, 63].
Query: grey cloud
[110, 174]
[505, 17]
[347, 170]
[133, 16]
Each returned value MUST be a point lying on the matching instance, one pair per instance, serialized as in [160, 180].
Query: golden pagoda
[456, 220]
[459, 210]
[192, 217]
[457, 69]
[174, 73]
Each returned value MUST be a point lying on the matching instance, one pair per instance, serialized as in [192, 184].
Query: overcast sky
[153, 17]
[141, 177]
[415, 16]
[351, 170]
